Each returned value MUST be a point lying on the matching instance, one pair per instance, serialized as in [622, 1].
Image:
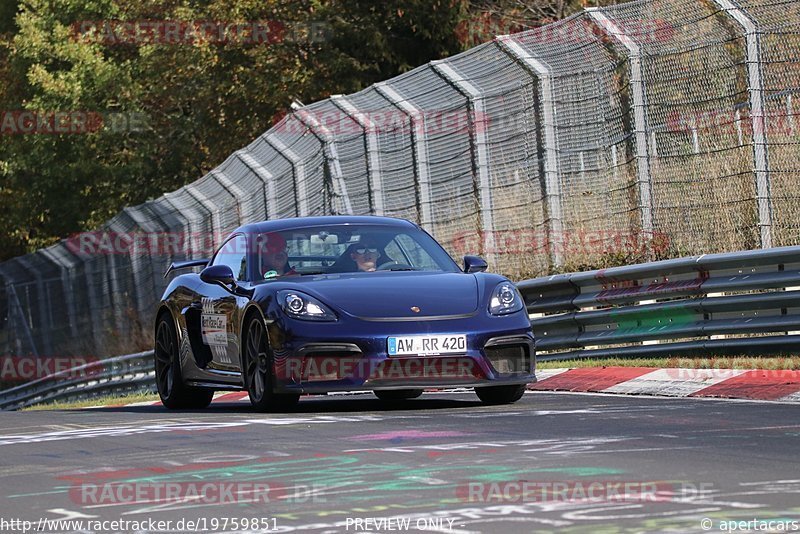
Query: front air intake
[509, 360]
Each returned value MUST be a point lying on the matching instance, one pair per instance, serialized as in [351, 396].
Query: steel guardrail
[133, 373]
[733, 303]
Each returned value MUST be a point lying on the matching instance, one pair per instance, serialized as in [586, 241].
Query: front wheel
[397, 394]
[169, 380]
[259, 379]
[500, 394]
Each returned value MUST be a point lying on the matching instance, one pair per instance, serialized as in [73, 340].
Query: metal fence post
[113, 277]
[640, 113]
[371, 149]
[235, 191]
[190, 224]
[210, 207]
[755, 82]
[331, 155]
[542, 74]
[270, 194]
[139, 256]
[25, 327]
[419, 142]
[93, 298]
[67, 274]
[298, 172]
[480, 152]
[40, 289]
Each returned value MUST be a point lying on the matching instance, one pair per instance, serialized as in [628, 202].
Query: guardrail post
[371, 149]
[480, 151]
[755, 82]
[298, 172]
[640, 114]
[419, 143]
[542, 73]
[331, 156]
[270, 194]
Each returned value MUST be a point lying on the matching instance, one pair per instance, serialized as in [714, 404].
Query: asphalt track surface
[438, 461]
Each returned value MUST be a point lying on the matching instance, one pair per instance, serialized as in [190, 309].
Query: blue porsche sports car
[315, 305]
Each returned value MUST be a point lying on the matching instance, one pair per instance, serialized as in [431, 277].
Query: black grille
[509, 360]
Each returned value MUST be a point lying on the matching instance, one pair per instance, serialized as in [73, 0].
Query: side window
[234, 254]
[404, 248]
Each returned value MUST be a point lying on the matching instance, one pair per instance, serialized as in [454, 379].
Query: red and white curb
[762, 384]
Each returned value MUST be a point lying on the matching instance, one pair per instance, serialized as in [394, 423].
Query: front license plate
[425, 345]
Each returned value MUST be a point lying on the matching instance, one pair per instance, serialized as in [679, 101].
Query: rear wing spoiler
[177, 265]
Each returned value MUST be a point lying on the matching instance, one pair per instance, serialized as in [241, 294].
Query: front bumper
[335, 357]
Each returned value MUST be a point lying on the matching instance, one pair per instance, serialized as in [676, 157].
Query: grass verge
[101, 401]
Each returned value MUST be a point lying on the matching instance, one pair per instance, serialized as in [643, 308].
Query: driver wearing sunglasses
[366, 256]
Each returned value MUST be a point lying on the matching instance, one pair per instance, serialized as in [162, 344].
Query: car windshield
[351, 248]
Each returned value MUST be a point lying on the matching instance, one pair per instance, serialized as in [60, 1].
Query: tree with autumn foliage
[157, 115]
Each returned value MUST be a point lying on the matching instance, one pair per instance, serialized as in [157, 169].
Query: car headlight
[505, 299]
[301, 306]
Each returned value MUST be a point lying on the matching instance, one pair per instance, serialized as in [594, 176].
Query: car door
[212, 319]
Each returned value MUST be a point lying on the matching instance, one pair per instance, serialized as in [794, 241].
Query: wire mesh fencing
[642, 131]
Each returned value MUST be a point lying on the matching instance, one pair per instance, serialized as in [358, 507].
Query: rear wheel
[397, 394]
[500, 394]
[259, 379]
[169, 380]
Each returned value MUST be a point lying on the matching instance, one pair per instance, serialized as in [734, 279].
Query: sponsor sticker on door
[214, 329]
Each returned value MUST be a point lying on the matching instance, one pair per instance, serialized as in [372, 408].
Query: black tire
[500, 394]
[397, 394]
[169, 380]
[258, 378]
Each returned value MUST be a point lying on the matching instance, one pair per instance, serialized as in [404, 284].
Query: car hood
[394, 294]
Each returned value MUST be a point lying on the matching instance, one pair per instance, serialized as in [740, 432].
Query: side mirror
[474, 264]
[218, 274]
